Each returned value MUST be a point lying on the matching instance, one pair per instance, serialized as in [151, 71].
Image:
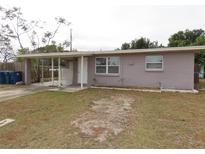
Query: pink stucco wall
[178, 72]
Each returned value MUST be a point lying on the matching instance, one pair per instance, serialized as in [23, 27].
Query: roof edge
[130, 51]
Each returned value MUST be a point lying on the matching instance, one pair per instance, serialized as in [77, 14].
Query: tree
[15, 27]
[190, 38]
[48, 39]
[48, 36]
[186, 38]
[155, 44]
[125, 46]
[200, 58]
[117, 49]
[141, 43]
[6, 50]
[50, 48]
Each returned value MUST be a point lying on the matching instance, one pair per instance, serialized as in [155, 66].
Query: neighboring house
[168, 68]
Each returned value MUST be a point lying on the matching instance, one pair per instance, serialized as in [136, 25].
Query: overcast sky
[105, 26]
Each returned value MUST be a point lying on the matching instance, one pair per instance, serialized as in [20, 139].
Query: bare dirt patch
[106, 117]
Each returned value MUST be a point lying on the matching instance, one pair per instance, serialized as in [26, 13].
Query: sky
[105, 25]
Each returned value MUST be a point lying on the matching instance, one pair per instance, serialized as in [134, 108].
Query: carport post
[59, 72]
[42, 73]
[27, 71]
[81, 73]
[52, 75]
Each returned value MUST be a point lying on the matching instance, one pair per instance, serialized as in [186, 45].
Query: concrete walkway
[70, 89]
[20, 91]
[202, 89]
[11, 92]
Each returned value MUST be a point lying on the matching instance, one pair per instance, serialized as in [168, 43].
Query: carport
[81, 65]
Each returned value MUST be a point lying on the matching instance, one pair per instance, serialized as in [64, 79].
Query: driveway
[17, 91]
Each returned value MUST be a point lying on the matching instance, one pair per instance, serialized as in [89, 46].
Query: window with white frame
[154, 63]
[101, 65]
[107, 65]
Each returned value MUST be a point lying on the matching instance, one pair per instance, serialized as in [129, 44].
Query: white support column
[52, 74]
[81, 73]
[59, 71]
[26, 71]
[42, 73]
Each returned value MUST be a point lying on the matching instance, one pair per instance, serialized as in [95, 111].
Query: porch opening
[57, 71]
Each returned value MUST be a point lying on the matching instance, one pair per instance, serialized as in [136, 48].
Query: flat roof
[130, 51]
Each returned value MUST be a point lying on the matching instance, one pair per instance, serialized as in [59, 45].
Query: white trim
[106, 65]
[42, 72]
[154, 69]
[149, 90]
[128, 89]
[59, 72]
[101, 65]
[81, 73]
[52, 73]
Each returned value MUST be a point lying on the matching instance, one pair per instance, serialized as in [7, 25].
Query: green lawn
[157, 120]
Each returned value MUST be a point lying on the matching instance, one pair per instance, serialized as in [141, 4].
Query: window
[107, 65]
[100, 64]
[154, 63]
[113, 65]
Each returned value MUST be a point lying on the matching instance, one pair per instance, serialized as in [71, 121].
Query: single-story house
[167, 68]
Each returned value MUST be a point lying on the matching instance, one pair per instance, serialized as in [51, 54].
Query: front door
[85, 70]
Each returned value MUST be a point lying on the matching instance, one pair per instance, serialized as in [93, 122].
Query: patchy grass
[158, 120]
[201, 83]
[10, 86]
